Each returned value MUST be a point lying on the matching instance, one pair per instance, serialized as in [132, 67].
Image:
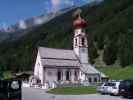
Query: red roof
[79, 23]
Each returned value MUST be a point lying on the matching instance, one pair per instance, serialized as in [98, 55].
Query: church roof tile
[58, 57]
[57, 53]
[60, 63]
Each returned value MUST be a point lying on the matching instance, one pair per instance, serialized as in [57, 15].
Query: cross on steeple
[77, 13]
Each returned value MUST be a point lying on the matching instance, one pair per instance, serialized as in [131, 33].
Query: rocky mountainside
[110, 30]
[37, 20]
[14, 32]
[22, 27]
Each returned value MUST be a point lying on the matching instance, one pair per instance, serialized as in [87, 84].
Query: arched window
[59, 75]
[83, 41]
[76, 42]
[95, 79]
[68, 75]
[90, 79]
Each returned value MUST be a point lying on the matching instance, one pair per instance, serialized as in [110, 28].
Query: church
[60, 66]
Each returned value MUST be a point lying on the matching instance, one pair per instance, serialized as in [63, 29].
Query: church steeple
[80, 44]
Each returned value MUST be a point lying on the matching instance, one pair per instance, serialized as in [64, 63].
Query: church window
[95, 79]
[90, 79]
[83, 41]
[59, 75]
[68, 75]
[76, 42]
[83, 31]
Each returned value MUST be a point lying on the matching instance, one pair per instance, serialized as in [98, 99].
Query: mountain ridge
[108, 25]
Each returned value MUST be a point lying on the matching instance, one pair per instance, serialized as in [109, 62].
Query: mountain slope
[16, 31]
[108, 25]
[119, 74]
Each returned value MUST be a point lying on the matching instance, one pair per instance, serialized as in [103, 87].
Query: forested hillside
[110, 29]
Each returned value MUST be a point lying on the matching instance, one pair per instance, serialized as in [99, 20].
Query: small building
[24, 76]
[59, 66]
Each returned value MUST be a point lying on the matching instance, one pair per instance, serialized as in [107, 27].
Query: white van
[114, 90]
[105, 88]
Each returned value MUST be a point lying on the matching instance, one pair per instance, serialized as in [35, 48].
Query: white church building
[60, 66]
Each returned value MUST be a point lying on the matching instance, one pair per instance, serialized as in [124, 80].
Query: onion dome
[79, 23]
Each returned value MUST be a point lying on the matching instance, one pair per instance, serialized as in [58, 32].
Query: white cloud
[56, 5]
[38, 21]
[56, 2]
[69, 2]
[22, 24]
[4, 26]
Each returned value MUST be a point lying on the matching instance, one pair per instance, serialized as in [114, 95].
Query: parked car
[114, 90]
[105, 88]
[10, 89]
[126, 88]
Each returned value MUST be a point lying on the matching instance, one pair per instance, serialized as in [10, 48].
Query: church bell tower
[80, 44]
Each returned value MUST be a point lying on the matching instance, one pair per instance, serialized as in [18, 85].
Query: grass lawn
[73, 90]
[117, 73]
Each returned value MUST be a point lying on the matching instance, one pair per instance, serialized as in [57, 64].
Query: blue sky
[12, 11]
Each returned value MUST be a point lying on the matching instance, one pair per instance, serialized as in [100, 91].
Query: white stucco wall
[41, 75]
[76, 50]
[72, 75]
[82, 76]
[93, 77]
[80, 50]
[37, 65]
[51, 74]
[85, 77]
[38, 69]
[83, 55]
